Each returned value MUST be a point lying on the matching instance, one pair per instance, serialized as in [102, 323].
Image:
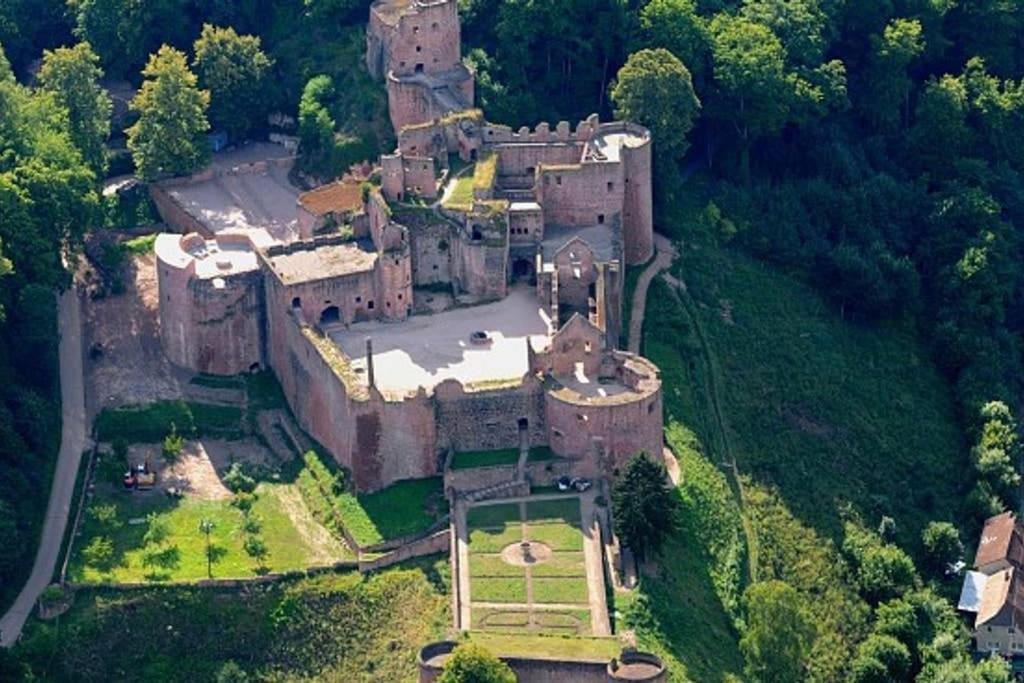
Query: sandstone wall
[410, 103]
[431, 253]
[427, 40]
[489, 420]
[584, 194]
[172, 213]
[521, 160]
[624, 428]
[577, 274]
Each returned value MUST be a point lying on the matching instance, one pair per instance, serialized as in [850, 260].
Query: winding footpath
[666, 253]
[72, 443]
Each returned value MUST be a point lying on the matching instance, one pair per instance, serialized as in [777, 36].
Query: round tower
[638, 204]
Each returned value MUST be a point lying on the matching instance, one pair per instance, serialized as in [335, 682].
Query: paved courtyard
[261, 204]
[428, 349]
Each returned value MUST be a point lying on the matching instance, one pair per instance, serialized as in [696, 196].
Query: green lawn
[503, 456]
[481, 564]
[406, 507]
[462, 194]
[561, 564]
[494, 539]
[493, 515]
[566, 509]
[556, 535]
[499, 589]
[574, 622]
[340, 627]
[563, 589]
[523, 645]
[182, 556]
[151, 423]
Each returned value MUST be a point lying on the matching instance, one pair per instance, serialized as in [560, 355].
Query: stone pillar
[369, 363]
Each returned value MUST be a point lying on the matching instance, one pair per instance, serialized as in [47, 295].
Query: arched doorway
[331, 314]
[522, 270]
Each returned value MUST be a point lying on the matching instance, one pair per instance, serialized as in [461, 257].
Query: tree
[941, 544]
[655, 89]
[206, 527]
[887, 87]
[880, 658]
[157, 529]
[997, 453]
[99, 552]
[169, 137]
[676, 26]
[779, 633]
[72, 74]
[6, 268]
[643, 507]
[753, 91]
[316, 126]
[883, 571]
[230, 672]
[471, 663]
[800, 25]
[255, 548]
[234, 70]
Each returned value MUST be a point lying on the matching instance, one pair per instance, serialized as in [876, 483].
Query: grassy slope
[817, 412]
[825, 410]
[334, 627]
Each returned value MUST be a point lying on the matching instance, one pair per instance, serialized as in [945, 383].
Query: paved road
[665, 254]
[72, 443]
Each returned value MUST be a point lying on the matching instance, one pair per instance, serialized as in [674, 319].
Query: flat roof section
[608, 146]
[213, 259]
[323, 262]
[425, 350]
[600, 238]
[260, 204]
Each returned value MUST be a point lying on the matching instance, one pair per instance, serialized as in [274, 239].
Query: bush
[243, 501]
[173, 444]
[99, 552]
[238, 480]
[472, 663]
[106, 516]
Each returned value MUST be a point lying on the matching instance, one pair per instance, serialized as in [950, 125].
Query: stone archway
[330, 315]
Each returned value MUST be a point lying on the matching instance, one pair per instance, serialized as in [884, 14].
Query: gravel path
[665, 254]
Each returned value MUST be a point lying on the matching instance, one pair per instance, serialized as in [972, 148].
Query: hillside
[823, 418]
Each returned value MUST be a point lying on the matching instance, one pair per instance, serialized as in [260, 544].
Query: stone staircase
[507, 489]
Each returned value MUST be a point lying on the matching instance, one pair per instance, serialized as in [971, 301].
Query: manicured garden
[559, 578]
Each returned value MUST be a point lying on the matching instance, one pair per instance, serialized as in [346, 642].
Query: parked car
[479, 337]
[581, 484]
[563, 483]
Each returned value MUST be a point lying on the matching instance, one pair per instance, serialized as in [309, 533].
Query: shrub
[238, 480]
[106, 516]
[243, 501]
[472, 663]
[173, 444]
[99, 552]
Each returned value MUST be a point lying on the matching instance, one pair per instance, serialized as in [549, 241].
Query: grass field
[182, 555]
[462, 193]
[151, 423]
[340, 627]
[503, 456]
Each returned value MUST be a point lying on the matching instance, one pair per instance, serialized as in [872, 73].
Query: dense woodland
[871, 148]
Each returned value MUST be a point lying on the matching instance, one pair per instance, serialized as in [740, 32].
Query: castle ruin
[469, 300]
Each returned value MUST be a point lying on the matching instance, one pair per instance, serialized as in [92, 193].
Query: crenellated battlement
[543, 133]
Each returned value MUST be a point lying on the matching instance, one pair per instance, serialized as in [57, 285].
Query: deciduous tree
[779, 633]
[471, 663]
[169, 137]
[234, 70]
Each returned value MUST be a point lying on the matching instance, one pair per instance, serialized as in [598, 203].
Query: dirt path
[662, 261]
[72, 443]
[322, 546]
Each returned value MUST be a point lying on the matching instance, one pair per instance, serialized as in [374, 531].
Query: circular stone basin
[526, 554]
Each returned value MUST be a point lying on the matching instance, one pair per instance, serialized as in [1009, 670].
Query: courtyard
[532, 566]
[425, 350]
[261, 204]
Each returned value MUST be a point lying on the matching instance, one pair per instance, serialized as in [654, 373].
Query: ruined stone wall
[577, 275]
[378, 441]
[431, 253]
[394, 440]
[392, 177]
[562, 132]
[638, 203]
[518, 162]
[479, 268]
[394, 283]
[610, 287]
[577, 341]
[526, 226]
[174, 215]
[489, 420]
[425, 38]
[410, 103]
[583, 194]
[211, 325]
[420, 177]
